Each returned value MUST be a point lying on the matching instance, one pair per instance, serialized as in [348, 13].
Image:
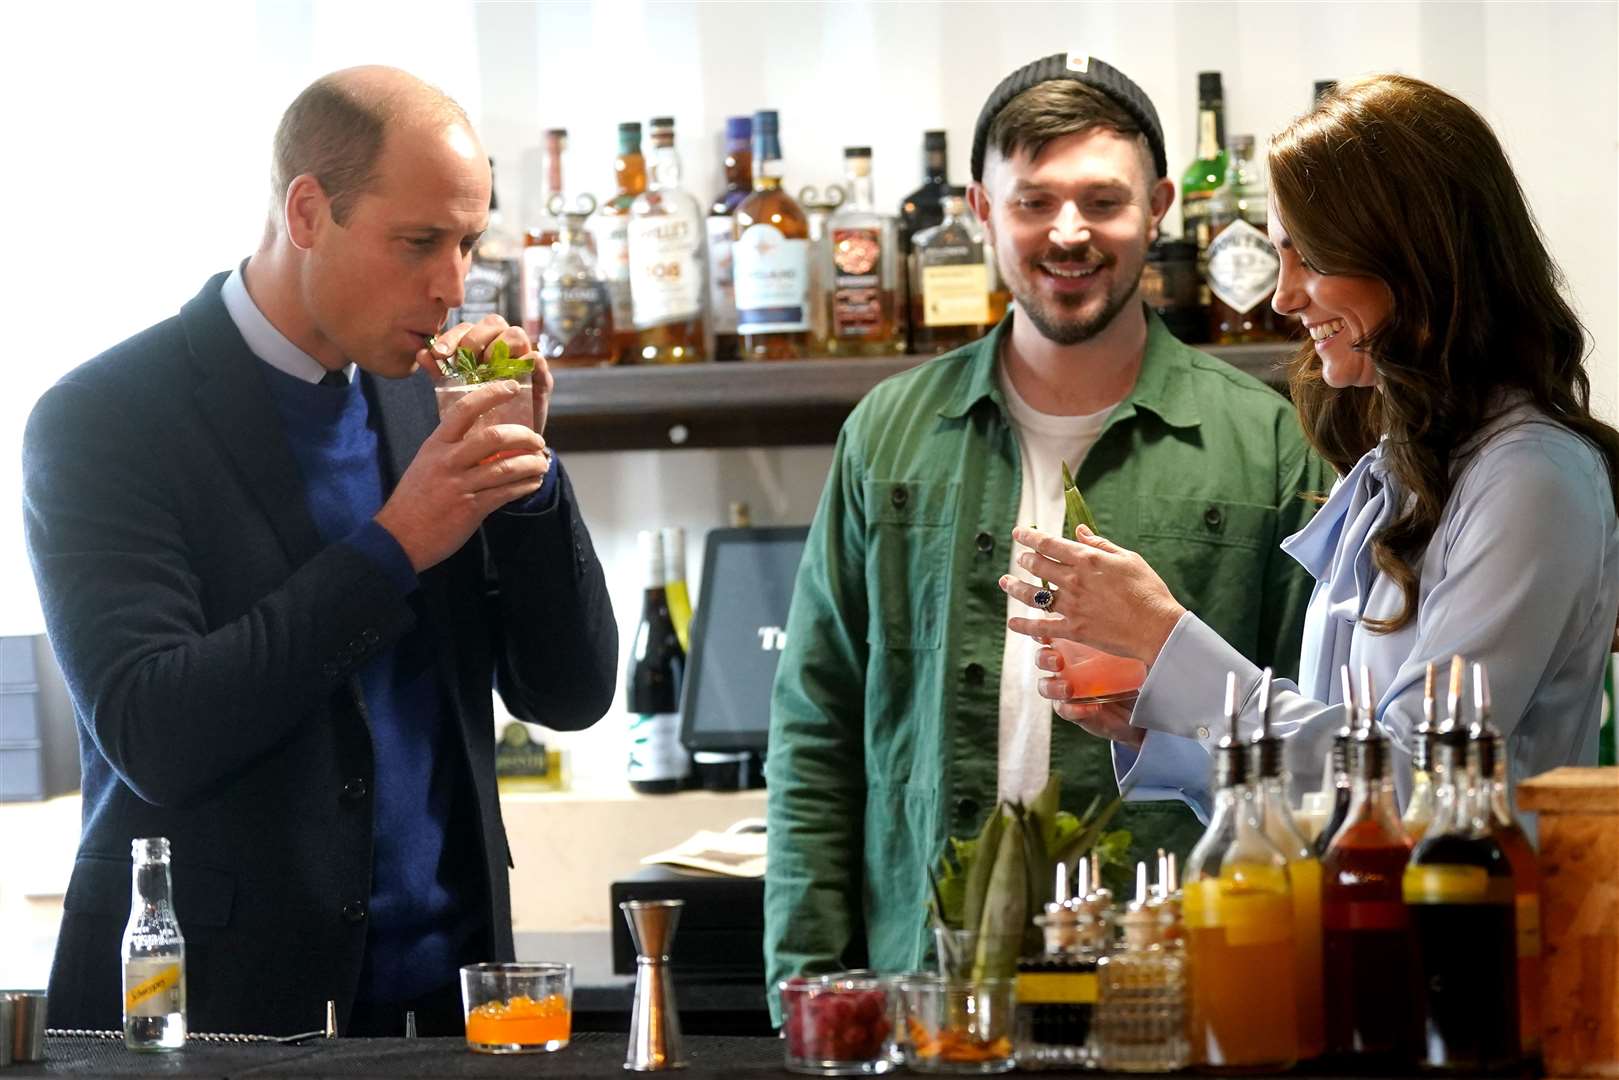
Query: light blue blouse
[1522, 575]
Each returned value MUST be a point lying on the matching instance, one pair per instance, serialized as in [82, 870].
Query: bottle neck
[860, 190]
[665, 168]
[1210, 129]
[150, 886]
[1372, 798]
[629, 170]
[934, 168]
[553, 171]
[767, 165]
[738, 166]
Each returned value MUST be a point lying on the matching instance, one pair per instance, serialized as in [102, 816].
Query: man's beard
[1060, 328]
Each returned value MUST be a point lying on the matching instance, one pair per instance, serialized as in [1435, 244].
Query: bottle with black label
[577, 327]
[658, 764]
[493, 282]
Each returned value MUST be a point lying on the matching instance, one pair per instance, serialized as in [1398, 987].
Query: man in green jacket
[903, 708]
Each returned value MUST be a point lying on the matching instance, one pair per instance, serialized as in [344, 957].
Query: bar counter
[592, 1054]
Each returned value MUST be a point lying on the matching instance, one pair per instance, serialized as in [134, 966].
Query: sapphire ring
[1044, 598]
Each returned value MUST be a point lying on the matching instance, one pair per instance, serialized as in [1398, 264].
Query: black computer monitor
[737, 634]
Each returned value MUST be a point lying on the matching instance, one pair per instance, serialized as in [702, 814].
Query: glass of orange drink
[524, 1007]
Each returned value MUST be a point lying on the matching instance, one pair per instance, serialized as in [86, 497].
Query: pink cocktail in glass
[1095, 676]
[518, 409]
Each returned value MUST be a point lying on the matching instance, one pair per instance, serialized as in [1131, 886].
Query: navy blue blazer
[210, 641]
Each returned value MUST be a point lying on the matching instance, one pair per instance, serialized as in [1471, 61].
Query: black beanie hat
[1085, 69]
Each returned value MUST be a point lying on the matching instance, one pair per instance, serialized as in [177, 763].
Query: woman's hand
[1107, 720]
[1103, 595]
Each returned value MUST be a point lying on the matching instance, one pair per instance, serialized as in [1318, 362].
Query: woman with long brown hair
[1476, 508]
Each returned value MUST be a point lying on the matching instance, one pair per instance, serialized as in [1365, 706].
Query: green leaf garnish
[500, 365]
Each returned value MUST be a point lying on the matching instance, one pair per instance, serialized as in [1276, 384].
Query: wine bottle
[657, 762]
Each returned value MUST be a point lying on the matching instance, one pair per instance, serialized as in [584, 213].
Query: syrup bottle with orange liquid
[1489, 747]
[1370, 991]
[1238, 910]
[1303, 874]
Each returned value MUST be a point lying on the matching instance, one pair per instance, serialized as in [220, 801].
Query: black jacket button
[369, 636]
[974, 674]
[898, 497]
[354, 790]
[985, 543]
[354, 912]
[1213, 518]
[967, 809]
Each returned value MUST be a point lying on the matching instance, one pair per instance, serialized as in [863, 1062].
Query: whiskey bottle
[577, 325]
[610, 229]
[1303, 874]
[494, 279]
[666, 260]
[1458, 888]
[924, 207]
[658, 764]
[955, 294]
[866, 314]
[1242, 264]
[1207, 171]
[1370, 991]
[1238, 907]
[543, 233]
[721, 272]
[771, 258]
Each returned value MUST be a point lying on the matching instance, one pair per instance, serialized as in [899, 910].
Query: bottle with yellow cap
[1238, 909]
[1458, 887]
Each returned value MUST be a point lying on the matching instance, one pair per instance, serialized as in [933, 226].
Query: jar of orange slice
[517, 1008]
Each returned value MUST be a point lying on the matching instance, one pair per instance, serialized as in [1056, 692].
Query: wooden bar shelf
[783, 403]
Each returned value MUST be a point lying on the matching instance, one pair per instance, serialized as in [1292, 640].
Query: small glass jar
[959, 1027]
[837, 1025]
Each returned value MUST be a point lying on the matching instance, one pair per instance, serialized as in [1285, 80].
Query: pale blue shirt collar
[268, 343]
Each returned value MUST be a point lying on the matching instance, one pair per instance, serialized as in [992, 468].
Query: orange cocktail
[517, 1008]
[1093, 675]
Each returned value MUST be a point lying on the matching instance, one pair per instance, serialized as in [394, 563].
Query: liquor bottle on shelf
[674, 572]
[1487, 749]
[1458, 888]
[721, 272]
[1142, 994]
[1242, 264]
[1419, 809]
[924, 207]
[867, 312]
[819, 204]
[1366, 928]
[1056, 988]
[1238, 907]
[576, 329]
[666, 260]
[956, 295]
[543, 233]
[154, 954]
[1303, 874]
[658, 764]
[1207, 171]
[610, 229]
[494, 279]
[771, 257]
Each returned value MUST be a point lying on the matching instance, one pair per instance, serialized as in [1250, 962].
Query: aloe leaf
[978, 872]
[1089, 833]
[1006, 912]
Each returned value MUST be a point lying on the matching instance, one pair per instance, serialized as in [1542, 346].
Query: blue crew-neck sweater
[419, 917]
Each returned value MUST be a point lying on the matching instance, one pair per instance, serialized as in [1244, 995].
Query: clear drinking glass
[517, 1008]
[519, 409]
[1096, 676]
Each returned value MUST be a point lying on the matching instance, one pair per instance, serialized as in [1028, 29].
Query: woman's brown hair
[1393, 178]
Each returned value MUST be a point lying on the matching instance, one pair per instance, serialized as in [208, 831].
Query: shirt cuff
[1165, 767]
[379, 545]
[544, 498]
[1185, 686]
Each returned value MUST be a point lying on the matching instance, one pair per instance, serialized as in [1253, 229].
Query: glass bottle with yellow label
[1238, 908]
[956, 296]
[1303, 874]
[1458, 886]
[154, 954]
[1487, 744]
[1056, 989]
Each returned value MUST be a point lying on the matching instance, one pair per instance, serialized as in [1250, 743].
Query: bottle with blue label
[770, 258]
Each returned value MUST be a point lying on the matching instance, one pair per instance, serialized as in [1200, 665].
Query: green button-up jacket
[884, 717]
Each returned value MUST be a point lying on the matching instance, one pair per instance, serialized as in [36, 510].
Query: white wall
[145, 142]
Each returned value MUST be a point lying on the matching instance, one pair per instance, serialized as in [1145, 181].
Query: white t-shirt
[1046, 441]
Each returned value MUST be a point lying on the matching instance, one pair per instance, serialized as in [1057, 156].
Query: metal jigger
[654, 1023]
